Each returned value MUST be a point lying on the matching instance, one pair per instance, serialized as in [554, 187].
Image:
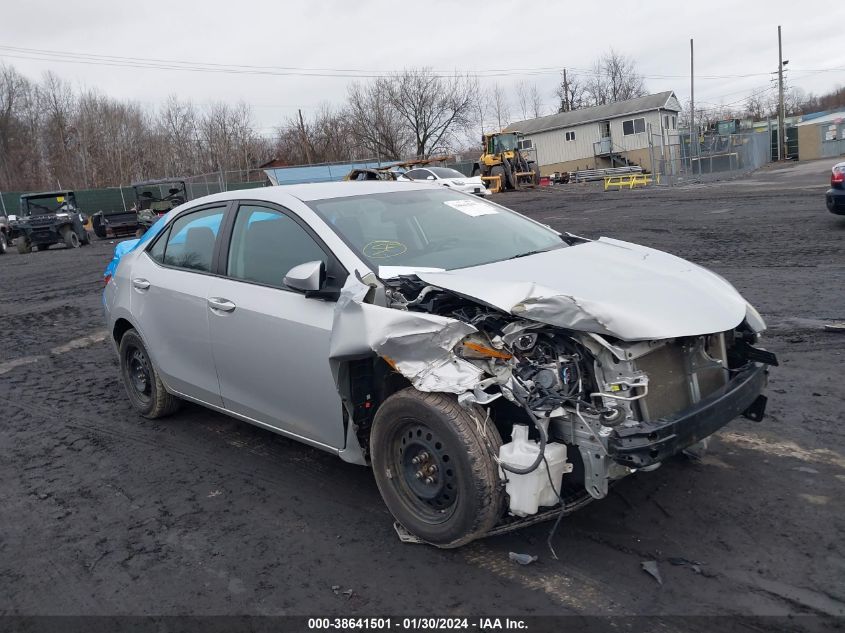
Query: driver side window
[417, 174]
[266, 244]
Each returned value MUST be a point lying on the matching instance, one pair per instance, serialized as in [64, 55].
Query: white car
[448, 177]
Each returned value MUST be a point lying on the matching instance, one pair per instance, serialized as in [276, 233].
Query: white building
[603, 136]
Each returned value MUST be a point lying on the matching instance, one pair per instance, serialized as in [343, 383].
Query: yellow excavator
[503, 166]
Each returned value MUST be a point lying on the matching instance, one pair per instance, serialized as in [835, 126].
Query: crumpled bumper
[651, 442]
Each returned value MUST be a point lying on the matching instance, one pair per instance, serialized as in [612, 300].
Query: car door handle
[140, 284]
[218, 303]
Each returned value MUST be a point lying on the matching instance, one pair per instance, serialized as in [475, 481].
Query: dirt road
[106, 513]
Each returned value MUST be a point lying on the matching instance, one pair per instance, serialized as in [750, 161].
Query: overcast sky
[735, 45]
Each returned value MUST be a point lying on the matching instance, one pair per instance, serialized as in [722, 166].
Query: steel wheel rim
[424, 470]
[139, 373]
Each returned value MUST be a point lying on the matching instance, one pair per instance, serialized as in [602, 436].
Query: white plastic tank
[530, 491]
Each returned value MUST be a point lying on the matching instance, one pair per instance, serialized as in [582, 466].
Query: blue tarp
[318, 173]
[130, 245]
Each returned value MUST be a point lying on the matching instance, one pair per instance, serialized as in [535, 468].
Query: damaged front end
[581, 408]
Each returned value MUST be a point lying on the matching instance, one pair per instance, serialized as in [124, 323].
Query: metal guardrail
[630, 181]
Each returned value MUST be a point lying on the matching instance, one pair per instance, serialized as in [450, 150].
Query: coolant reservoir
[530, 491]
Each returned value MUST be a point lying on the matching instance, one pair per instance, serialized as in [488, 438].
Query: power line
[38, 54]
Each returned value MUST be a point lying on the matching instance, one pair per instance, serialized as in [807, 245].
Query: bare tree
[500, 105]
[177, 133]
[529, 99]
[434, 109]
[375, 124]
[570, 92]
[614, 78]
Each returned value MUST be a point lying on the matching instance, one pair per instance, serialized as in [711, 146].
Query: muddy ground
[102, 512]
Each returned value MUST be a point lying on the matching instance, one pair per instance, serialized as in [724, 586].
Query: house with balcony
[611, 135]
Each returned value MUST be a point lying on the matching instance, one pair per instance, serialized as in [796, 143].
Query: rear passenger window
[157, 249]
[191, 241]
[266, 244]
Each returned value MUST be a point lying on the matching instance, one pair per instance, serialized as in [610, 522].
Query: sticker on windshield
[472, 207]
[382, 249]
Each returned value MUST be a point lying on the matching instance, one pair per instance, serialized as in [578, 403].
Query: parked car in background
[488, 368]
[448, 177]
[835, 196]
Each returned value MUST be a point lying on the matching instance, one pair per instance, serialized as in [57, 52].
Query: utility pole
[305, 144]
[567, 106]
[781, 126]
[693, 132]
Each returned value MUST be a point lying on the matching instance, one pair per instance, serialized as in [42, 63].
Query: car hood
[606, 287]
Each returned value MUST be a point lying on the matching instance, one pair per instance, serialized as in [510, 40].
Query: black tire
[97, 225]
[23, 245]
[499, 171]
[41, 247]
[86, 237]
[71, 238]
[532, 166]
[463, 499]
[4, 244]
[140, 378]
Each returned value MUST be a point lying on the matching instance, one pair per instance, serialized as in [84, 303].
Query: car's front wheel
[3, 244]
[143, 384]
[70, 237]
[434, 466]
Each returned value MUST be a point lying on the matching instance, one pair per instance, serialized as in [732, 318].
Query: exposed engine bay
[615, 405]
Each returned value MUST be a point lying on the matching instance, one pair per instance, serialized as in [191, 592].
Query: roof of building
[597, 113]
[833, 117]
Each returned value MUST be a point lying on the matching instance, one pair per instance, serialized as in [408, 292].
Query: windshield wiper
[539, 250]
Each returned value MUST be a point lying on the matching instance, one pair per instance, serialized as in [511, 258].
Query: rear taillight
[837, 177]
[106, 279]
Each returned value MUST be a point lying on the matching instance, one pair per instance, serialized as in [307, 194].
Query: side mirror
[306, 277]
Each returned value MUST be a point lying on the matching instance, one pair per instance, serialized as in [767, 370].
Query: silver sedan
[492, 371]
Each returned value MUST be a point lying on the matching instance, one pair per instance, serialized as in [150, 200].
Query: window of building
[633, 126]
[189, 242]
[665, 121]
[673, 122]
[266, 244]
[570, 136]
[526, 143]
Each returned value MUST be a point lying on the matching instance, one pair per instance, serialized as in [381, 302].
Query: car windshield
[446, 172]
[46, 204]
[432, 229]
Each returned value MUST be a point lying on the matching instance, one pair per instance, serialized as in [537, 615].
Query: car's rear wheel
[433, 463]
[70, 237]
[143, 384]
[86, 237]
[23, 245]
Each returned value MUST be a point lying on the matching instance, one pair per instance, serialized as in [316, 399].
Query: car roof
[281, 194]
[48, 194]
[160, 181]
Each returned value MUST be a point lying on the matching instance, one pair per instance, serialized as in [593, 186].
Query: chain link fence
[681, 158]
[120, 199]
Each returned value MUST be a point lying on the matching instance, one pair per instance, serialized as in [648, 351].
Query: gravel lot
[106, 513]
